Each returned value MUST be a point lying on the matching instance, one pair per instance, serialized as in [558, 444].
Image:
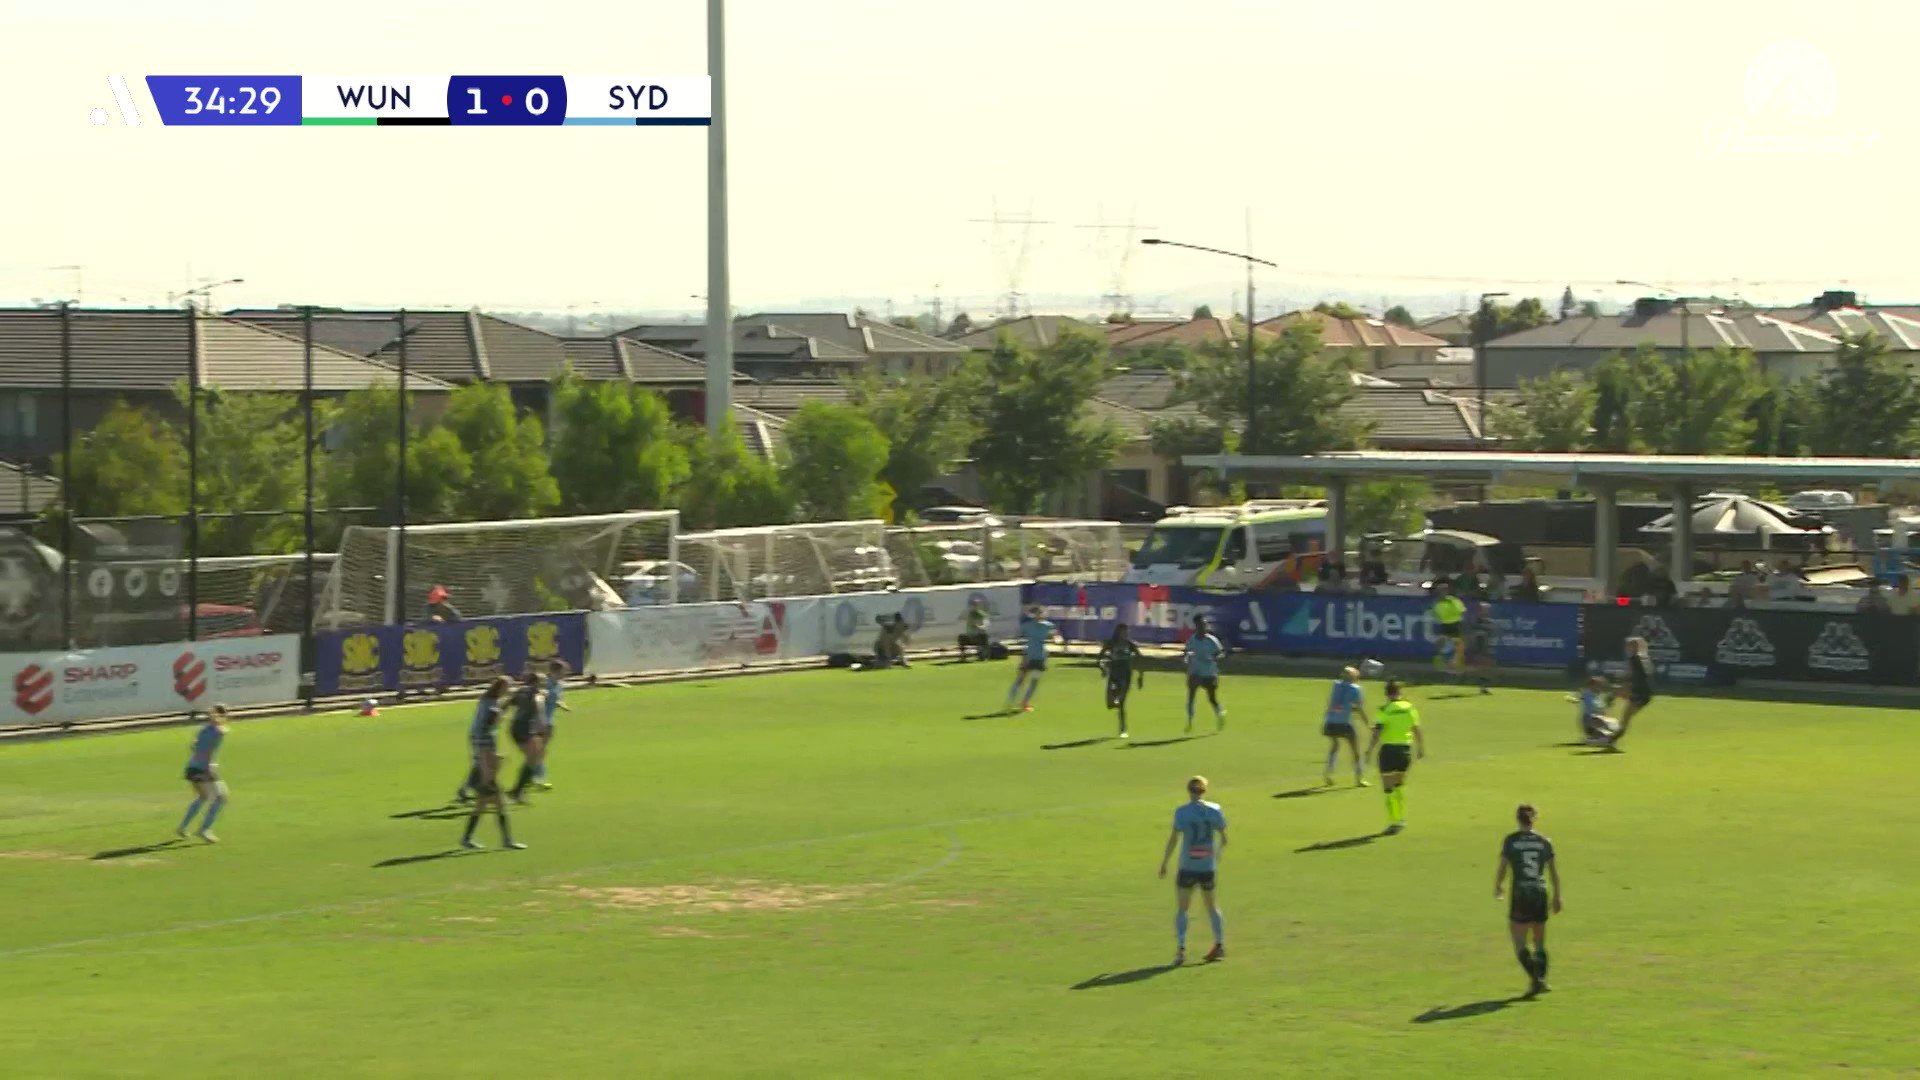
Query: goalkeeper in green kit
[1116, 658]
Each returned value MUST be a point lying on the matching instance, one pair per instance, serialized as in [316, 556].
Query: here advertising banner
[1154, 614]
[384, 658]
[1401, 628]
[149, 680]
[1727, 644]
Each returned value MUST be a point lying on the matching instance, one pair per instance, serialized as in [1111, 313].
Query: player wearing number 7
[1200, 832]
[1530, 856]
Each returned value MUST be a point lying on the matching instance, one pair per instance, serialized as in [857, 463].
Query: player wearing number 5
[1200, 832]
[1530, 856]
[1396, 731]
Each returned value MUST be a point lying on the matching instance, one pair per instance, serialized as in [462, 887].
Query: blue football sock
[213, 811]
[193, 811]
[1033, 685]
[1219, 926]
[1180, 928]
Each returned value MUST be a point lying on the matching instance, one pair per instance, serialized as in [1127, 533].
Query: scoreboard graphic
[446, 101]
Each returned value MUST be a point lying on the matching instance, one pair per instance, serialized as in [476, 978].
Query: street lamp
[1482, 330]
[205, 291]
[1247, 440]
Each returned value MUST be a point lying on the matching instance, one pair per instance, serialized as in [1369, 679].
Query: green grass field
[837, 874]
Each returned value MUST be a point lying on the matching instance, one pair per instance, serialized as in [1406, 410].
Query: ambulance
[1265, 544]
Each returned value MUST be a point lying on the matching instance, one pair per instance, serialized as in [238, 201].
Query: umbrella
[1737, 515]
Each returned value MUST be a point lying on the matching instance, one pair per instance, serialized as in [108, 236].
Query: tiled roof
[1400, 418]
[518, 354]
[750, 342]
[1428, 374]
[866, 336]
[1149, 390]
[1357, 333]
[1036, 331]
[783, 397]
[147, 351]
[1448, 326]
[762, 432]
[1124, 337]
[1755, 329]
[441, 344]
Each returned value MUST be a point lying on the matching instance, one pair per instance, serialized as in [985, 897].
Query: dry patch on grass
[468, 918]
[51, 856]
[681, 932]
[745, 895]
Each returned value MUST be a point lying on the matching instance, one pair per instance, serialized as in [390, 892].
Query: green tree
[363, 472]
[1036, 436]
[1389, 506]
[1589, 309]
[1866, 405]
[832, 459]
[1299, 389]
[614, 447]
[1398, 315]
[511, 476]
[251, 449]
[1204, 311]
[729, 486]
[1696, 404]
[928, 425]
[131, 463]
[1496, 320]
[1339, 309]
[962, 324]
[1780, 417]
[1554, 415]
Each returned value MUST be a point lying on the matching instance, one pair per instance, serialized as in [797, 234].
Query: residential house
[141, 357]
[890, 349]
[1140, 336]
[764, 351]
[1792, 343]
[24, 493]
[1368, 344]
[681, 380]
[1455, 330]
[1032, 331]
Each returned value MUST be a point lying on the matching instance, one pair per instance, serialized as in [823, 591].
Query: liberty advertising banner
[1400, 628]
[377, 658]
[685, 637]
[1154, 614]
[936, 616]
[149, 680]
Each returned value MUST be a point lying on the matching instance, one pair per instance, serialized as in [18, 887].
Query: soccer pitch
[838, 874]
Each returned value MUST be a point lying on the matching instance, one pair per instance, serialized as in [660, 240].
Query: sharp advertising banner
[1400, 628]
[1154, 614]
[374, 658]
[1727, 644]
[149, 680]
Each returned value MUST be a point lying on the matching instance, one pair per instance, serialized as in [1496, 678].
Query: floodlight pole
[1247, 439]
[719, 350]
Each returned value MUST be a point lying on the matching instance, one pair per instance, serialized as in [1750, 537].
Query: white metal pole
[719, 306]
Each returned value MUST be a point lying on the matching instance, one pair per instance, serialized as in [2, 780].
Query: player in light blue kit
[1203, 653]
[1347, 699]
[208, 789]
[1200, 832]
[1037, 633]
[552, 705]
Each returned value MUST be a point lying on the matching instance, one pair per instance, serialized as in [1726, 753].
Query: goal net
[787, 560]
[955, 554]
[486, 568]
[1072, 550]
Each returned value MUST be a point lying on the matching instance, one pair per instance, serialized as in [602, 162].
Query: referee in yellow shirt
[1449, 623]
[1396, 731]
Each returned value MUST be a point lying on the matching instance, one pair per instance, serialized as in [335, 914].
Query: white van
[1260, 545]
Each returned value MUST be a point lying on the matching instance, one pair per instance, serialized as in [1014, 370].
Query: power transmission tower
[1011, 250]
[1113, 245]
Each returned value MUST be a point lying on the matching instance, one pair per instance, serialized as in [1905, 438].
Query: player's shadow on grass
[1339, 845]
[1454, 695]
[143, 849]
[409, 860]
[1301, 793]
[445, 812]
[1077, 743]
[1144, 743]
[1467, 1011]
[1122, 978]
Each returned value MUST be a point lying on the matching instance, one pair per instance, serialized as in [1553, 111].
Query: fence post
[399, 582]
[66, 475]
[306, 400]
[193, 472]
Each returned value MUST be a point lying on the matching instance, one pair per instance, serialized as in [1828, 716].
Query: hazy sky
[1384, 145]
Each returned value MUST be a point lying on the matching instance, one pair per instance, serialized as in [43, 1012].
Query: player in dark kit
[1116, 659]
[1482, 632]
[529, 730]
[1639, 686]
[1530, 856]
[486, 764]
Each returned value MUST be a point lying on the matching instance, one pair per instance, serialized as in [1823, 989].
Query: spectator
[1904, 600]
[1784, 584]
[440, 607]
[1745, 586]
[1373, 566]
[1875, 601]
[890, 647]
[1529, 590]
[974, 636]
[1661, 590]
[1497, 589]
